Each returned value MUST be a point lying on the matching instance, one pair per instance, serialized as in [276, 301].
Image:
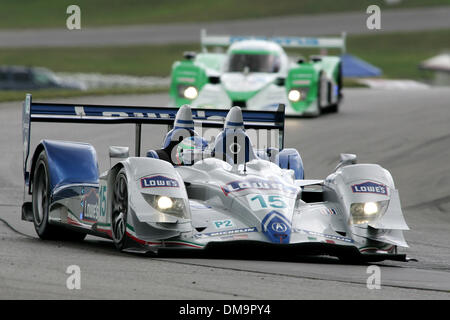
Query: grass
[399, 54]
[13, 95]
[143, 60]
[52, 13]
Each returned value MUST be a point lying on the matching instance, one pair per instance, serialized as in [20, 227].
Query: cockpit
[253, 61]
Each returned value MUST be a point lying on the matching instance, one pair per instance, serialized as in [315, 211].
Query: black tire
[41, 203]
[40, 199]
[320, 106]
[340, 83]
[119, 209]
[335, 107]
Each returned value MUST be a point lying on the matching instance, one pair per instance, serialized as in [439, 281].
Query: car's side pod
[68, 162]
[371, 201]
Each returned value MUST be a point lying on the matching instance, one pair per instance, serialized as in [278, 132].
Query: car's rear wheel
[41, 198]
[119, 209]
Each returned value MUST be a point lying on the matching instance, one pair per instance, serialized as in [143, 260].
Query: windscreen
[255, 62]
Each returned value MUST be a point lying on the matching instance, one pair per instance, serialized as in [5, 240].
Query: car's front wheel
[335, 107]
[322, 94]
[119, 209]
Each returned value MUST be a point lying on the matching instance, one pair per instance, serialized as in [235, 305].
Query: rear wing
[286, 42]
[138, 115]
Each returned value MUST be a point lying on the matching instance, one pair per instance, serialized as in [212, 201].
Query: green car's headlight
[294, 95]
[366, 212]
[190, 93]
[173, 206]
[297, 94]
[187, 91]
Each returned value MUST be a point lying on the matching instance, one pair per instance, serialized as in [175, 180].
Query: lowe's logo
[257, 184]
[158, 181]
[370, 187]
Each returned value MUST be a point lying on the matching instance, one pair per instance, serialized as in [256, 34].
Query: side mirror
[119, 152]
[189, 55]
[346, 159]
[315, 58]
[214, 79]
[280, 81]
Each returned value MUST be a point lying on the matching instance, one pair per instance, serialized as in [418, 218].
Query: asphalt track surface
[415, 19]
[405, 131]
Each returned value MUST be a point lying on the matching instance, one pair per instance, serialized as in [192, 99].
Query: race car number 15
[103, 201]
[262, 201]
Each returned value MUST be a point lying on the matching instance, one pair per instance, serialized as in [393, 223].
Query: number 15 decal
[262, 201]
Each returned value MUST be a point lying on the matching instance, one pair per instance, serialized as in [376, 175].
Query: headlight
[190, 93]
[169, 205]
[294, 95]
[164, 203]
[366, 212]
[370, 208]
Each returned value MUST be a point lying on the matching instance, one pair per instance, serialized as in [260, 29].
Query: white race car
[225, 195]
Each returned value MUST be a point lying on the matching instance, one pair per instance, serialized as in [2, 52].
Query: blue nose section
[276, 227]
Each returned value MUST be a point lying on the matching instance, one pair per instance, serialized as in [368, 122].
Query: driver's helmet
[190, 150]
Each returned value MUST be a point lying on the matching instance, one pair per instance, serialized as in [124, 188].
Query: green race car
[257, 74]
